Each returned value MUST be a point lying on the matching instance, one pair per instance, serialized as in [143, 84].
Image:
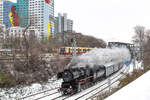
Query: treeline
[142, 39]
[81, 40]
[29, 64]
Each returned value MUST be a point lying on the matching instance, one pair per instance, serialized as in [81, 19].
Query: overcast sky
[111, 20]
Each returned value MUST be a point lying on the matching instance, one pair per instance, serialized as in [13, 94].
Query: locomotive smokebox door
[59, 75]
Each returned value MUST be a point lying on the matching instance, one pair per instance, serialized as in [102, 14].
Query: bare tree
[147, 49]
[147, 35]
[139, 38]
[142, 38]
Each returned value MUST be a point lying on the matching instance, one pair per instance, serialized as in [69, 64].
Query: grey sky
[111, 20]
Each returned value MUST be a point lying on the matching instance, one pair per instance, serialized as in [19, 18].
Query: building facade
[17, 32]
[69, 25]
[1, 12]
[38, 14]
[8, 15]
[22, 10]
[63, 24]
[41, 13]
[6, 11]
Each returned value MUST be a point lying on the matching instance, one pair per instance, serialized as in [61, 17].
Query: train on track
[79, 78]
[5, 52]
[69, 50]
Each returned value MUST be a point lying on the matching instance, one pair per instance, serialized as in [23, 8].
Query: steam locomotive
[78, 78]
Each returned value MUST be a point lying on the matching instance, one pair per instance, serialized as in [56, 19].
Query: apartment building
[63, 24]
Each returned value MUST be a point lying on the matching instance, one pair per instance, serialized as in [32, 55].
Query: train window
[82, 49]
[69, 50]
[78, 50]
[62, 50]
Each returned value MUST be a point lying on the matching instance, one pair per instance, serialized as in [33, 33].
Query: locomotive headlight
[68, 90]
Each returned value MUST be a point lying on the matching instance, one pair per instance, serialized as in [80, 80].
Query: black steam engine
[76, 79]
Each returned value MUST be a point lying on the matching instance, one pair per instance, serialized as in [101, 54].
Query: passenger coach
[69, 50]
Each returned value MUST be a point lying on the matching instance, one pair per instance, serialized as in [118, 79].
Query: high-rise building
[1, 12]
[6, 10]
[65, 21]
[56, 25]
[22, 10]
[8, 15]
[69, 25]
[38, 14]
[62, 23]
[41, 13]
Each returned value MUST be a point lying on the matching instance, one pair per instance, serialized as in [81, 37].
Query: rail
[85, 94]
[40, 93]
[94, 95]
[106, 83]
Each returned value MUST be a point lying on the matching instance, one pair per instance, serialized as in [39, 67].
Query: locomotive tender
[76, 79]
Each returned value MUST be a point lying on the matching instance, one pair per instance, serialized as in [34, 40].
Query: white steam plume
[101, 56]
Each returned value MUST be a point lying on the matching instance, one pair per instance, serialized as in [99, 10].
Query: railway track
[95, 91]
[98, 92]
[36, 95]
[86, 95]
[92, 93]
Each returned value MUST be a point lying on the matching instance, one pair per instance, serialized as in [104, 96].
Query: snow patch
[16, 93]
[137, 90]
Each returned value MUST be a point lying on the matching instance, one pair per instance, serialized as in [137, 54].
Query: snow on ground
[116, 76]
[16, 93]
[138, 65]
[93, 56]
[136, 90]
[84, 91]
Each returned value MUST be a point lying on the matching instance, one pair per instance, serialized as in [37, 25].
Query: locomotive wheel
[91, 84]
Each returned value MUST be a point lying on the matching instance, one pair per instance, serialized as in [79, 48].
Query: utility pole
[134, 57]
[73, 42]
[141, 47]
[63, 38]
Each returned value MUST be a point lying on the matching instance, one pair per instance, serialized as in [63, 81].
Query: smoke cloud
[100, 56]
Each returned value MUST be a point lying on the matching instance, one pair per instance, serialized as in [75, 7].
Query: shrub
[6, 81]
